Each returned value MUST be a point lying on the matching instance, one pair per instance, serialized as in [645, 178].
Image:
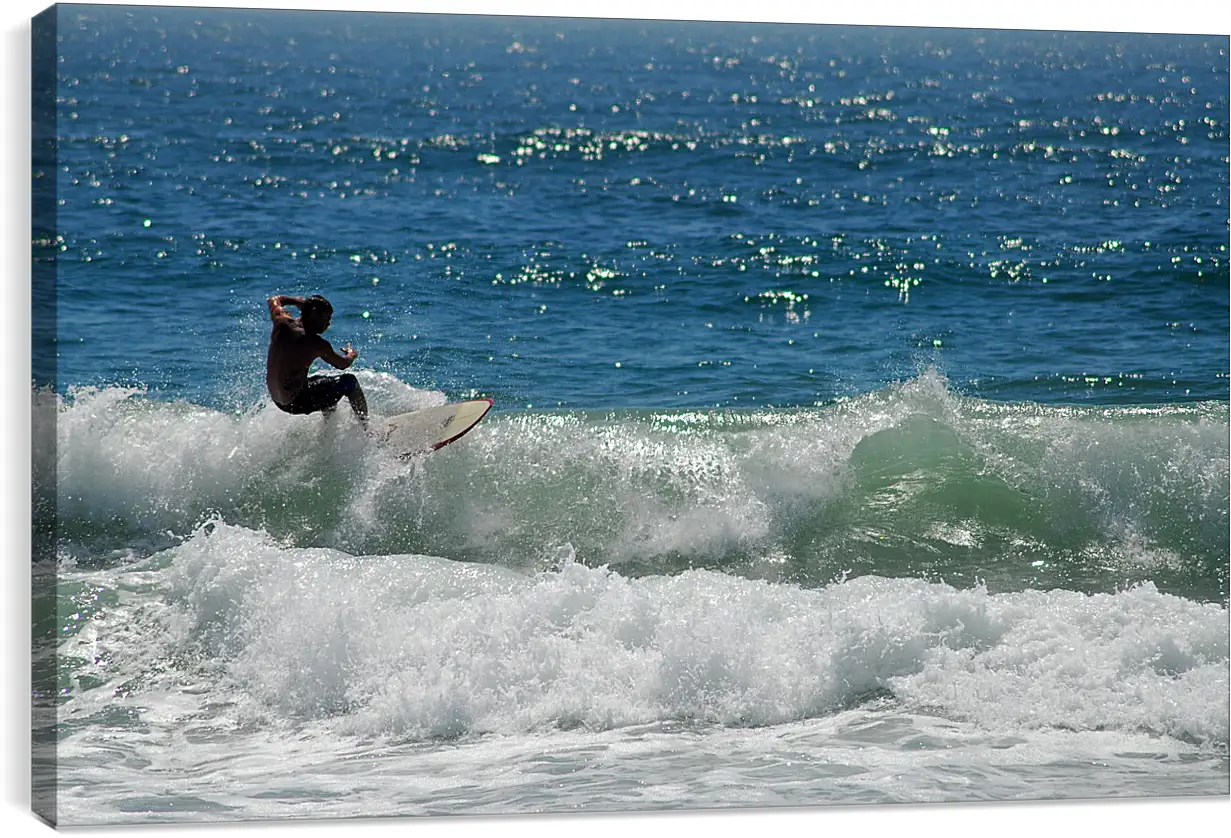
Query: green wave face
[910, 481]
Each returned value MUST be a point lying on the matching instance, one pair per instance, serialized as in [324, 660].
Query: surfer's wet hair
[316, 304]
[315, 313]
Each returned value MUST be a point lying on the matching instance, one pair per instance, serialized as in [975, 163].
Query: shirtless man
[293, 345]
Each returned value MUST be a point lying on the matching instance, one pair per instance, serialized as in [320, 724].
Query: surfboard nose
[432, 428]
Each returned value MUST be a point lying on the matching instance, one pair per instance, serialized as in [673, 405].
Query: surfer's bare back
[294, 344]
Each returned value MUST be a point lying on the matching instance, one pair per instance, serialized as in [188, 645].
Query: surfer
[294, 344]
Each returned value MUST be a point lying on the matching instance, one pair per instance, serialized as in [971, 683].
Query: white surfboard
[431, 428]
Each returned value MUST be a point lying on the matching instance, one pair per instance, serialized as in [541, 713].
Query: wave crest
[913, 480]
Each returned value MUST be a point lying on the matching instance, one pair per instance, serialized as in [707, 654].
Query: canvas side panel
[44, 243]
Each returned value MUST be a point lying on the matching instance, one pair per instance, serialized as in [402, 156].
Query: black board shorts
[321, 392]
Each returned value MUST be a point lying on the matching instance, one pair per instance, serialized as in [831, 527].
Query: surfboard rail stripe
[466, 429]
[427, 429]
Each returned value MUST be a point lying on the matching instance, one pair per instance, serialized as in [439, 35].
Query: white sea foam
[416, 647]
[157, 465]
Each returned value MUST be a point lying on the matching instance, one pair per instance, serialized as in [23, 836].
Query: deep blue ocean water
[861, 413]
[735, 215]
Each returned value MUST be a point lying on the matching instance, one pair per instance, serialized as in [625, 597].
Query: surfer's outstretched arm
[326, 353]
